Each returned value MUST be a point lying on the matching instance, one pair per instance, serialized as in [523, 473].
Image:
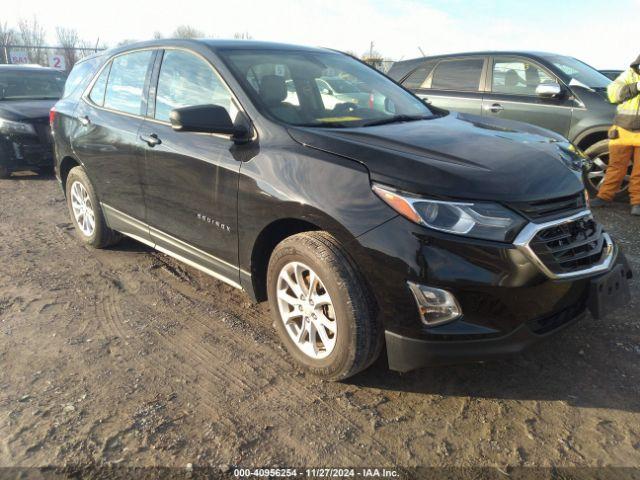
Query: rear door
[512, 83]
[454, 84]
[191, 179]
[106, 138]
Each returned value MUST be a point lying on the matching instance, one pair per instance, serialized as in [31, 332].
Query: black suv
[27, 93]
[552, 91]
[445, 236]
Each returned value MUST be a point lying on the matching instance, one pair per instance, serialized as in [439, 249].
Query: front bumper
[25, 152]
[508, 303]
[406, 353]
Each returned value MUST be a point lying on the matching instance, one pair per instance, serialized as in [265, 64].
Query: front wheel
[85, 211]
[321, 306]
[594, 176]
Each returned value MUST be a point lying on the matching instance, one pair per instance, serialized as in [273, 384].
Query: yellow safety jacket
[624, 91]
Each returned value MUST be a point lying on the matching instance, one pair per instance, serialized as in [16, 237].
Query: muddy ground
[128, 357]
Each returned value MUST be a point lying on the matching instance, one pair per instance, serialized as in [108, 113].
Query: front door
[512, 95]
[191, 179]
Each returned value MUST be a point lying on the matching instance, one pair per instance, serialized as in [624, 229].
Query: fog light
[436, 306]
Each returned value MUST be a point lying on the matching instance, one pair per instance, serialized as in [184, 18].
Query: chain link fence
[61, 58]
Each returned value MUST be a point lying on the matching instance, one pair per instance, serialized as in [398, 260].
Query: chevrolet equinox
[367, 220]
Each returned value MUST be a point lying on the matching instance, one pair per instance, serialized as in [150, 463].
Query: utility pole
[371, 49]
[421, 51]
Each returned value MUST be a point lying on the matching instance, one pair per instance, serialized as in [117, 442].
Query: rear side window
[418, 76]
[79, 77]
[99, 87]
[186, 80]
[458, 74]
[126, 82]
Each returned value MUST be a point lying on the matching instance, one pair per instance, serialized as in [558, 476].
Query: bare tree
[32, 35]
[242, 36]
[7, 37]
[68, 39]
[157, 35]
[187, 31]
[126, 41]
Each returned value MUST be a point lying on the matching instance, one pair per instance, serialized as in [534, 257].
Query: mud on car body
[446, 237]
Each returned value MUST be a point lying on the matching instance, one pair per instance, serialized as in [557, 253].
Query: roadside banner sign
[57, 61]
[18, 56]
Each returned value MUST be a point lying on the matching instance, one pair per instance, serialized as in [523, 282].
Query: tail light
[371, 100]
[52, 115]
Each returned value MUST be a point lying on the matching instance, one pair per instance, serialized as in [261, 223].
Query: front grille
[570, 247]
[554, 208]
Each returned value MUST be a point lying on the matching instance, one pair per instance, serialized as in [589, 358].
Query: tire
[599, 155]
[100, 236]
[4, 172]
[356, 340]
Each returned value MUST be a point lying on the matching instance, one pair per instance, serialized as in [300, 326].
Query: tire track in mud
[272, 385]
[269, 348]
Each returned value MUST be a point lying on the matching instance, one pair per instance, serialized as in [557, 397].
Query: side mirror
[206, 119]
[326, 91]
[548, 90]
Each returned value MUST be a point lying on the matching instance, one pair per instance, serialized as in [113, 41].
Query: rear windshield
[79, 77]
[31, 84]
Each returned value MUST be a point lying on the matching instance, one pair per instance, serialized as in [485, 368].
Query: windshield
[580, 72]
[31, 84]
[323, 89]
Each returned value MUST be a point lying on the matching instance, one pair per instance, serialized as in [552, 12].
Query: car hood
[458, 156]
[25, 109]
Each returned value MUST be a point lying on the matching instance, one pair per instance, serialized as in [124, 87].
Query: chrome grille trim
[529, 232]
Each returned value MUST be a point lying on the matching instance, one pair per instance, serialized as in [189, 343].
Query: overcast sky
[604, 34]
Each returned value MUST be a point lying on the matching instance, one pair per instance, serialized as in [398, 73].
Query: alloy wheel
[83, 209]
[306, 309]
[596, 173]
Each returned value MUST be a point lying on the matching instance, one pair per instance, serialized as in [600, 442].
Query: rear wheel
[85, 211]
[594, 176]
[321, 306]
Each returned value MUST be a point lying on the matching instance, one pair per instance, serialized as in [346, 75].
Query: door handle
[152, 139]
[84, 120]
[495, 108]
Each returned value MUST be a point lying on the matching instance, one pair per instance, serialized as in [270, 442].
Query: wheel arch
[266, 241]
[66, 165]
[590, 137]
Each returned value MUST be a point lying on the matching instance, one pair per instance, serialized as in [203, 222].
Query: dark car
[611, 74]
[27, 93]
[552, 91]
[446, 237]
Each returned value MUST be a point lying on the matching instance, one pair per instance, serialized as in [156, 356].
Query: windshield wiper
[397, 119]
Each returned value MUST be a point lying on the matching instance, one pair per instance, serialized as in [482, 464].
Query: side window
[186, 80]
[458, 74]
[418, 76]
[517, 77]
[97, 91]
[79, 77]
[126, 82]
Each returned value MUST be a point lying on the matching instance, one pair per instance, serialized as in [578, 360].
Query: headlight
[488, 221]
[11, 127]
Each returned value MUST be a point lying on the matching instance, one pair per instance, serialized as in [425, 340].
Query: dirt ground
[125, 356]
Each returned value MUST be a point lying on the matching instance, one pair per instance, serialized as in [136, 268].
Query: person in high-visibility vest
[624, 139]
